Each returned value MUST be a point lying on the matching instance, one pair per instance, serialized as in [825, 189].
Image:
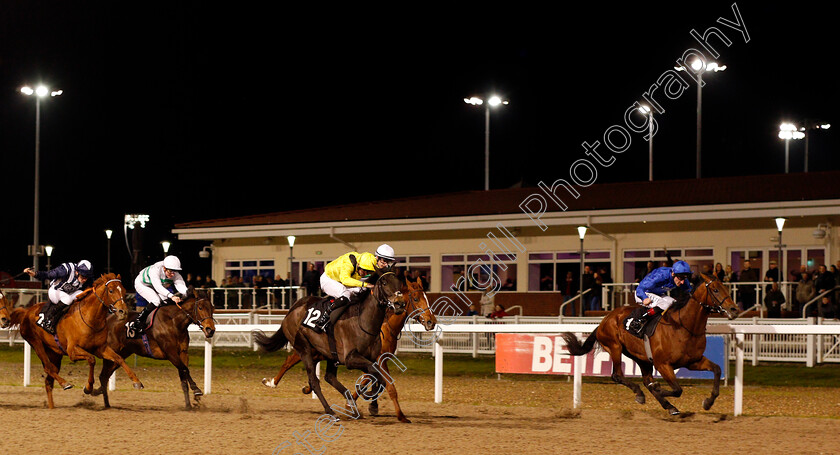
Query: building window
[498, 273]
[247, 269]
[413, 267]
[638, 263]
[560, 271]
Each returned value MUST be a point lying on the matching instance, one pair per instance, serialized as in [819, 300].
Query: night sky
[187, 111]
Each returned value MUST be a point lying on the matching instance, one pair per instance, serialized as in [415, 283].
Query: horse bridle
[194, 319]
[711, 308]
[112, 307]
[386, 302]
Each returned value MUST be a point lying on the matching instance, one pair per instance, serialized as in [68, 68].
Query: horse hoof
[269, 382]
[707, 403]
[640, 399]
[373, 410]
[87, 391]
[198, 393]
[306, 390]
[404, 419]
[67, 386]
[674, 412]
[138, 385]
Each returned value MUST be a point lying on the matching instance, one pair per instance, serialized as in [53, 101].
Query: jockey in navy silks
[652, 291]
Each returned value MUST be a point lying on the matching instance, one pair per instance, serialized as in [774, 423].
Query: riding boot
[639, 324]
[140, 322]
[324, 320]
[59, 313]
[46, 317]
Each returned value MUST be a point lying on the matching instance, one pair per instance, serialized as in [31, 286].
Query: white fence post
[578, 381]
[438, 372]
[208, 366]
[27, 363]
[739, 374]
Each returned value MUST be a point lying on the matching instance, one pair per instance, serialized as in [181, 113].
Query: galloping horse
[80, 334]
[679, 341]
[356, 335]
[166, 339]
[416, 308]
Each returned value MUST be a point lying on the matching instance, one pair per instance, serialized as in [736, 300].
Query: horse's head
[5, 312]
[388, 292]
[418, 305]
[110, 292]
[204, 315]
[714, 297]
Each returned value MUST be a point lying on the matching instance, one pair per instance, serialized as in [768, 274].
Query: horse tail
[270, 343]
[574, 345]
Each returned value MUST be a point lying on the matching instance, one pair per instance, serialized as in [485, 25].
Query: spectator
[570, 286]
[825, 309]
[190, 280]
[774, 301]
[311, 280]
[209, 282]
[499, 313]
[771, 275]
[595, 294]
[823, 280]
[729, 275]
[719, 273]
[473, 310]
[199, 282]
[546, 283]
[509, 285]
[747, 292]
[805, 291]
[486, 302]
[648, 268]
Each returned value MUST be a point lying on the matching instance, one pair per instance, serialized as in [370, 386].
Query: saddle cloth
[315, 309]
[150, 319]
[648, 329]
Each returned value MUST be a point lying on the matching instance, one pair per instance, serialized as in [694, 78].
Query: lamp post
[649, 112]
[581, 234]
[108, 234]
[780, 223]
[165, 244]
[697, 66]
[788, 131]
[812, 125]
[493, 101]
[131, 222]
[39, 92]
[291, 240]
[48, 249]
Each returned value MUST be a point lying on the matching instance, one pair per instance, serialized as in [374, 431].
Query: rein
[704, 305]
[194, 320]
[110, 307]
[379, 301]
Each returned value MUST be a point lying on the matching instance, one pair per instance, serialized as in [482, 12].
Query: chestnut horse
[679, 341]
[167, 339]
[417, 308]
[80, 334]
[357, 338]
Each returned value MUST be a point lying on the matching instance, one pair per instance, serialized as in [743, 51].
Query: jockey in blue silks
[652, 291]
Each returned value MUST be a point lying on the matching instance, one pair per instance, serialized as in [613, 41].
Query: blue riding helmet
[681, 268]
[84, 268]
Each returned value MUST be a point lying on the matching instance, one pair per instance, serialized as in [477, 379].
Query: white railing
[271, 298]
[740, 332]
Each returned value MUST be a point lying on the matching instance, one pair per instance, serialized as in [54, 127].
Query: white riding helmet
[172, 263]
[386, 252]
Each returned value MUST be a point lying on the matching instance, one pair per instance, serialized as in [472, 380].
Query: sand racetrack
[241, 416]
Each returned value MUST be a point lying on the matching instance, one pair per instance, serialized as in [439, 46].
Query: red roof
[624, 195]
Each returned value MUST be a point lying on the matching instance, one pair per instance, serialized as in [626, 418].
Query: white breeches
[335, 289]
[146, 292]
[57, 295]
[663, 302]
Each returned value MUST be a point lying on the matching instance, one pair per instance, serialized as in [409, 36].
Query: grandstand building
[523, 237]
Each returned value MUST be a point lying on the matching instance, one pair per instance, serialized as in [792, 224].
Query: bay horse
[417, 308]
[167, 339]
[80, 334]
[679, 341]
[356, 334]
